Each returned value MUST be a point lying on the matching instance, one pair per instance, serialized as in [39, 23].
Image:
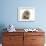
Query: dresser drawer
[8, 45]
[34, 34]
[37, 39]
[13, 33]
[37, 44]
[12, 39]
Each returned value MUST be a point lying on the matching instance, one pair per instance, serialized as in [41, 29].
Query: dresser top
[22, 30]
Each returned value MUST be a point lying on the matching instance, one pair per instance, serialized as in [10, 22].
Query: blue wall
[8, 13]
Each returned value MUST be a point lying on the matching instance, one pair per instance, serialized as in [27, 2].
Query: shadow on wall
[2, 26]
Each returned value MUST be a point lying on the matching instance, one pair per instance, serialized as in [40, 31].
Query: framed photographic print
[26, 14]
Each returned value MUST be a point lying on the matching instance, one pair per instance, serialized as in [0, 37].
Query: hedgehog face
[26, 14]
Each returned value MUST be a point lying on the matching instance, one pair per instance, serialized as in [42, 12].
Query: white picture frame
[26, 14]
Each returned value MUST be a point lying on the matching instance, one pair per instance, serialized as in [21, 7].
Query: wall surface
[8, 13]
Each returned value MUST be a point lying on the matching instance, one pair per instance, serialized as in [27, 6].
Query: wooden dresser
[23, 38]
